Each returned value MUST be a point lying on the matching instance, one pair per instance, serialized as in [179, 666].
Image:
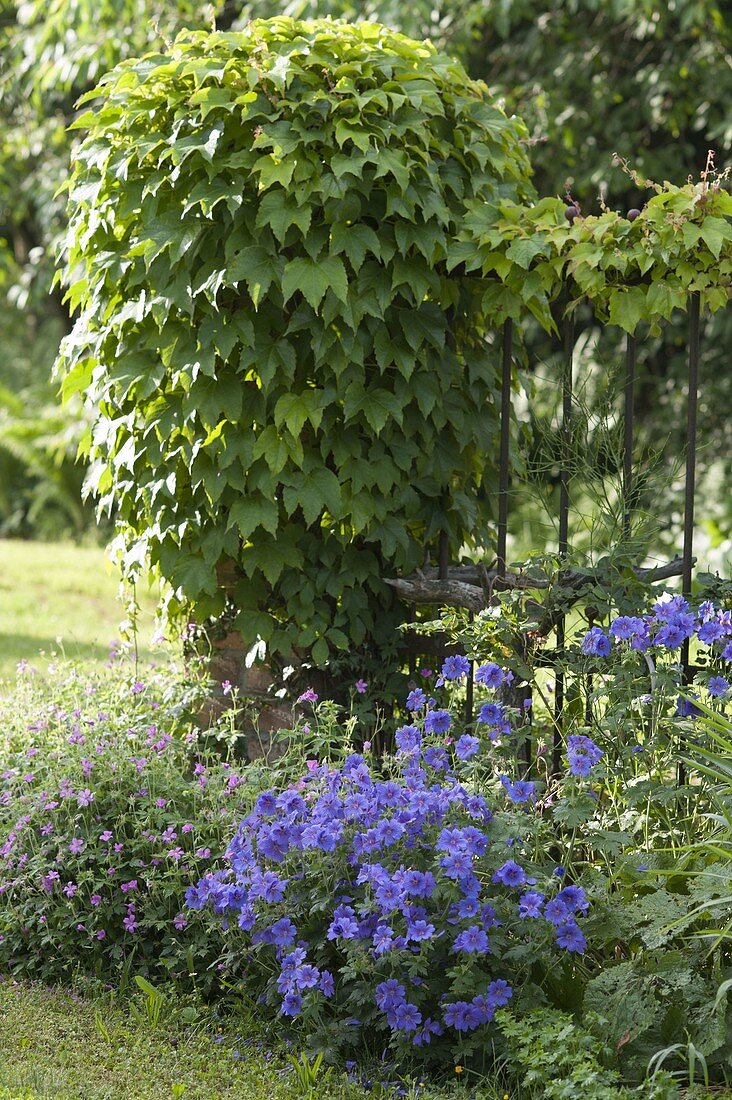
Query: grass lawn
[60, 598]
[54, 1044]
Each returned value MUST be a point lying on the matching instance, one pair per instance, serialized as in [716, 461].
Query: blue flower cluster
[349, 873]
[582, 754]
[667, 626]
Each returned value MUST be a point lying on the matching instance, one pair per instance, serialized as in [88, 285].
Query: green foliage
[287, 379]
[52, 1046]
[109, 807]
[559, 1059]
[630, 271]
[50, 53]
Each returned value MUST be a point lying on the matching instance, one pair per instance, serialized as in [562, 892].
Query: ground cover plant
[440, 902]
[409, 901]
[110, 801]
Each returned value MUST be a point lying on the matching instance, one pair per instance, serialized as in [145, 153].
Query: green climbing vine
[632, 269]
[289, 388]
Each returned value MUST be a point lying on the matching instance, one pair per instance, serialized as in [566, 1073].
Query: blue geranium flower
[437, 721]
[596, 643]
[454, 668]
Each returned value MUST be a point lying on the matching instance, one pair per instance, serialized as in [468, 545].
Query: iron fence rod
[564, 475]
[690, 479]
[691, 432]
[628, 426]
[504, 447]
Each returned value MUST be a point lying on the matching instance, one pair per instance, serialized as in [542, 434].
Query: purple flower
[420, 930]
[520, 791]
[717, 686]
[570, 937]
[510, 874]
[130, 922]
[626, 627]
[462, 1015]
[490, 675]
[308, 696]
[383, 939]
[406, 1017]
[556, 912]
[389, 994]
[582, 754]
[85, 797]
[95, 900]
[574, 898]
[408, 739]
[416, 699]
[361, 686]
[491, 714]
[454, 668]
[530, 904]
[472, 940]
[291, 1004]
[596, 643]
[180, 922]
[77, 846]
[437, 721]
[466, 746]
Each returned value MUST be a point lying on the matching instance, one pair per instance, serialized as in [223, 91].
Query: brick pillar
[265, 714]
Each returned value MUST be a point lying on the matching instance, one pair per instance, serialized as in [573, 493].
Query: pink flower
[106, 836]
[226, 688]
[312, 765]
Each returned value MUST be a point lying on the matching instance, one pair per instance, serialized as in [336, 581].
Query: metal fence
[683, 566]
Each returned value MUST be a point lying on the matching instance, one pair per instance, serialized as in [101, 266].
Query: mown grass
[60, 598]
[55, 1044]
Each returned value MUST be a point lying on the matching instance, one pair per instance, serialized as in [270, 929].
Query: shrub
[389, 904]
[288, 382]
[110, 804]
